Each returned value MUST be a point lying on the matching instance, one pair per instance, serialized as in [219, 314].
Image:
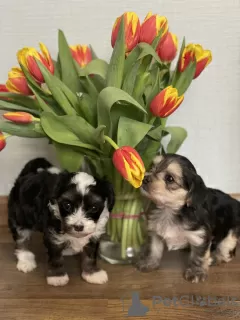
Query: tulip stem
[111, 142]
[152, 120]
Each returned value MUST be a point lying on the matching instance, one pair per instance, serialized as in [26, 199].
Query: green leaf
[131, 60]
[157, 40]
[21, 100]
[5, 105]
[69, 158]
[89, 87]
[156, 133]
[178, 135]
[41, 102]
[87, 108]
[59, 90]
[148, 151]
[80, 127]
[98, 66]
[109, 97]
[142, 81]
[59, 132]
[131, 132]
[185, 78]
[69, 73]
[154, 90]
[94, 55]
[31, 130]
[129, 81]
[98, 82]
[176, 73]
[99, 134]
[116, 65]
[57, 68]
[147, 50]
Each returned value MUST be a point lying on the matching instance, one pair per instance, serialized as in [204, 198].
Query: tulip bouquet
[106, 117]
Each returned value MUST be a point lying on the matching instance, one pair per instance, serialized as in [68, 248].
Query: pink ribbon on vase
[126, 216]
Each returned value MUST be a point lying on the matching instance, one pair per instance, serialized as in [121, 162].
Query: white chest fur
[175, 235]
[73, 245]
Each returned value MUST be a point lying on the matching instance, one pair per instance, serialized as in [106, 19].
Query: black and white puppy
[70, 209]
[186, 213]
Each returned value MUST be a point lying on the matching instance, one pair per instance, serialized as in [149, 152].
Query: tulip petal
[27, 56]
[166, 102]
[132, 30]
[2, 141]
[195, 52]
[3, 88]
[17, 82]
[130, 165]
[18, 117]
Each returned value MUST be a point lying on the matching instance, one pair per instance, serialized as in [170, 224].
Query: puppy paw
[99, 277]
[58, 281]
[26, 261]
[195, 275]
[145, 265]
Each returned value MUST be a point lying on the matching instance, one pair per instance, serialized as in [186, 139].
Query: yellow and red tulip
[132, 30]
[2, 141]
[130, 165]
[166, 102]
[81, 54]
[17, 82]
[27, 56]
[151, 26]
[167, 48]
[20, 117]
[195, 52]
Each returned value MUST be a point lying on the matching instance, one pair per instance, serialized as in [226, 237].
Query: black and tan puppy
[187, 213]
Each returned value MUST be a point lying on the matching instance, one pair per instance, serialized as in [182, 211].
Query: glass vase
[126, 226]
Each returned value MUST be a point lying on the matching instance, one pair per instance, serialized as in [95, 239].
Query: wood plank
[103, 309]
[223, 280]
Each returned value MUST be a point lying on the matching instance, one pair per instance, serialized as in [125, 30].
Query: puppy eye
[67, 206]
[169, 178]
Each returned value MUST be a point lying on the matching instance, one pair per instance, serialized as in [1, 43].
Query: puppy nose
[78, 228]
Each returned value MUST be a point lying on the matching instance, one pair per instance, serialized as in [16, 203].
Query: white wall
[211, 111]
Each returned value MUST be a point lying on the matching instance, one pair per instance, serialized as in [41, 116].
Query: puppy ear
[108, 192]
[59, 184]
[198, 191]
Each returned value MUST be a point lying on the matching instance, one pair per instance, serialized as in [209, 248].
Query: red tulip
[81, 54]
[167, 48]
[166, 102]
[132, 30]
[130, 165]
[195, 52]
[27, 56]
[2, 141]
[151, 26]
[20, 117]
[17, 82]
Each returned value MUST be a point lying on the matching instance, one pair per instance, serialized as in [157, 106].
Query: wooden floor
[27, 296]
